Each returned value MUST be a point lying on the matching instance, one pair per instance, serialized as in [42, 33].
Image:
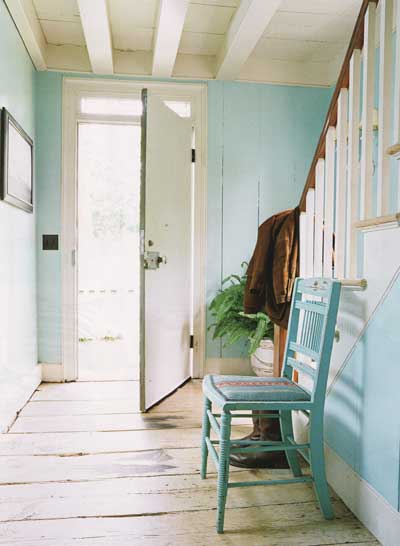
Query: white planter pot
[262, 360]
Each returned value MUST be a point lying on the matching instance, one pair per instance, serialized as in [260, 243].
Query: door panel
[166, 219]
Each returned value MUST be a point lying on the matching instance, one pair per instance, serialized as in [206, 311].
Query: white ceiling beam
[171, 18]
[96, 27]
[24, 16]
[248, 25]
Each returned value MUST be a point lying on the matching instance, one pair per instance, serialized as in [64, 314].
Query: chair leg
[285, 418]
[205, 434]
[223, 470]
[317, 460]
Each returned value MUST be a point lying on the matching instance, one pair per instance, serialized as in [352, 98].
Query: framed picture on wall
[16, 165]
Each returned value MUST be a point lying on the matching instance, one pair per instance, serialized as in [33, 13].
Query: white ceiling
[308, 34]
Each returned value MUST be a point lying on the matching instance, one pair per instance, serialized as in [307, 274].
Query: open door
[165, 251]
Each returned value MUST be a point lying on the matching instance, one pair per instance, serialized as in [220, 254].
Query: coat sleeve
[255, 290]
[285, 259]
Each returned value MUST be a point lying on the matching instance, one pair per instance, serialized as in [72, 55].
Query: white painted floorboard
[82, 466]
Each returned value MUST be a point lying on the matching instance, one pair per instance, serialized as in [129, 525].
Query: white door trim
[73, 89]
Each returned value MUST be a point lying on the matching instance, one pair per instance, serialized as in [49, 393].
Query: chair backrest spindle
[311, 332]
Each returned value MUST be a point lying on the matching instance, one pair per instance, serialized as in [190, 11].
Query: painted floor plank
[75, 443]
[107, 390]
[103, 484]
[105, 422]
[283, 525]
[43, 408]
[32, 469]
[140, 496]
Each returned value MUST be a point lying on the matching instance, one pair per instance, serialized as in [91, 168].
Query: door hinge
[193, 155]
[191, 342]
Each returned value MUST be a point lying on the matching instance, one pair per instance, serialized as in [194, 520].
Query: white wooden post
[367, 112]
[319, 217]
[396, 125]
[353, 171]
[310, 208]
[341, 183]
[303, 244]
[329, 203]
[385, 109]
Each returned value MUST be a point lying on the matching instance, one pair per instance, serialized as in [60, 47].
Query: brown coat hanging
[274, 267]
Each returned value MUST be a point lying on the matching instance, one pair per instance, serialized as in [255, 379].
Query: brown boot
[267, 429]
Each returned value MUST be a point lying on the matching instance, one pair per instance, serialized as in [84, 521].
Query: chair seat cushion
[234, 388]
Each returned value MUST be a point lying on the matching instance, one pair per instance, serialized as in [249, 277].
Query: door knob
[152, 260]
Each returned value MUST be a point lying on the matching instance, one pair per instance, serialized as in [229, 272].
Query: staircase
[349, 229]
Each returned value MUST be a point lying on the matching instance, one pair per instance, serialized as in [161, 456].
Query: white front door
[166, 250]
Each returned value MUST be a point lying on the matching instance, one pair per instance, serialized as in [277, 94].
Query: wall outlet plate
[50, 242]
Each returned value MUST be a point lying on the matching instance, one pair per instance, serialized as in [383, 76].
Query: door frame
[72, 91]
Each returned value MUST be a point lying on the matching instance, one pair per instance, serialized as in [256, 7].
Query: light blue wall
[18, 355]
[362, 411]
[48, 169]
[261, 140]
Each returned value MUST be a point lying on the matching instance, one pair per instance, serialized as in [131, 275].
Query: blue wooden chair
[311, 332]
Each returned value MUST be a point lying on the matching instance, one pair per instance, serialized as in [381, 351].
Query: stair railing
[354, 183]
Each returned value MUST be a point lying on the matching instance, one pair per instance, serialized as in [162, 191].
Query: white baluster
[353, 171]
[303, 244]
[329, 200]
[310, 208]
[319, 217]
[341, 183]
[367, 112]
[396, 126]
[385, 111]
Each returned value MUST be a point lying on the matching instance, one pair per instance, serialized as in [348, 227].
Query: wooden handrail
[356, 42]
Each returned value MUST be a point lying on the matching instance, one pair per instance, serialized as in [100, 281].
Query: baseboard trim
[229, 366]
[371, 508]
[17, 391]
[52, 373]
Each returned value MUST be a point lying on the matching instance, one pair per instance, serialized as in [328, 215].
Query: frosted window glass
[111, 106]
[182, 108]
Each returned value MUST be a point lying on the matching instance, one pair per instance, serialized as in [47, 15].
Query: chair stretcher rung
[271, 482]
[213, 422]
[301, 367]
[270, 415]
[319, 308]
[212, 452]
[268, 448]
[297, 348]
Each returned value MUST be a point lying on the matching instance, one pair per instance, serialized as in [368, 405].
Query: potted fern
[233, 325]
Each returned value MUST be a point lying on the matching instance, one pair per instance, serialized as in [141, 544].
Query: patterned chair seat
[233, 388]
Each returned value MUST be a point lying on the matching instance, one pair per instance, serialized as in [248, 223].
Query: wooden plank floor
[82, 466]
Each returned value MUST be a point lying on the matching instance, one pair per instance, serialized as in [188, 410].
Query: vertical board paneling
[241, 176]
[341, 183]
[278, 151]
[384, 109]
[319, 217]
[367, 112]
[353, 163]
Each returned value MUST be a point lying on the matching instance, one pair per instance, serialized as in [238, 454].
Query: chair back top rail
[356, 42]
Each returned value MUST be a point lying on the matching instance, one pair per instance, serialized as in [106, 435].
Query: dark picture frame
[16, 164]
